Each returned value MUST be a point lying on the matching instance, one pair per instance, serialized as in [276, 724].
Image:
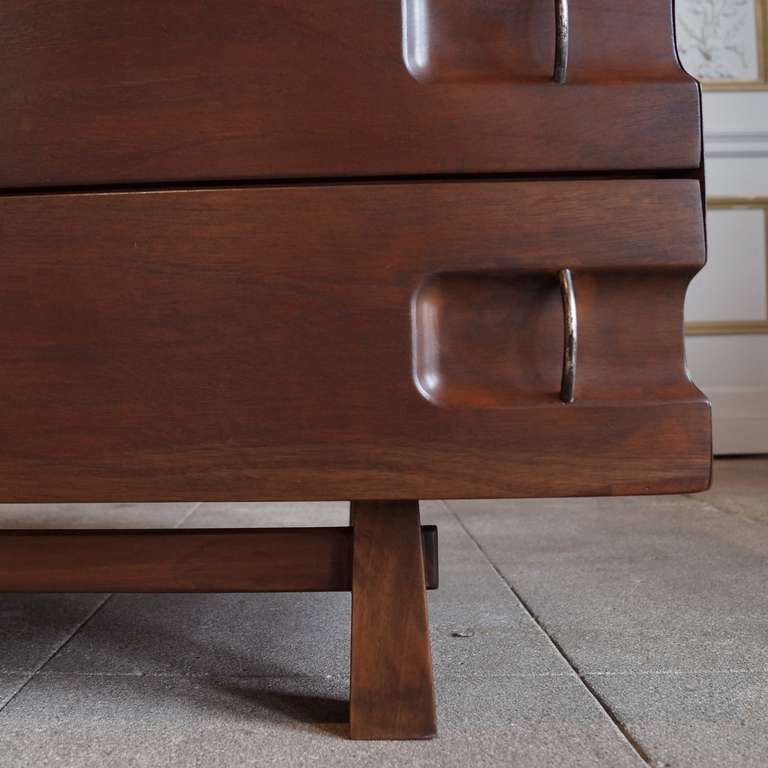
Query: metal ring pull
[571, 336]
[561, 40]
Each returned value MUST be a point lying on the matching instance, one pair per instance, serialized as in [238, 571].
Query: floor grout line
[40, 672]
[4, 704]
[618, 725]
[298, 676]
[189, 514]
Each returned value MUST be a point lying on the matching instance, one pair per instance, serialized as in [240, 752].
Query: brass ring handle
[571, 336]
[562, 29]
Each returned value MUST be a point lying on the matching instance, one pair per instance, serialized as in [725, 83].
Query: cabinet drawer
[348, 341]
[108, 91]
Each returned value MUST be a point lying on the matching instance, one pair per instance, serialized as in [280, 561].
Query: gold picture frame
[761, 27]
[734, 327]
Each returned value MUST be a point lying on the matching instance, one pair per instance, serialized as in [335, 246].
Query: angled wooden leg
[392, 695]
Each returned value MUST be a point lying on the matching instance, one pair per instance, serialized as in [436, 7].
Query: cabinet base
[386, 558]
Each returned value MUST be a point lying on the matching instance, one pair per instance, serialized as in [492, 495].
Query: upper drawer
[106, 91]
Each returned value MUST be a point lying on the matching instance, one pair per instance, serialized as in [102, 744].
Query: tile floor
[611, 632]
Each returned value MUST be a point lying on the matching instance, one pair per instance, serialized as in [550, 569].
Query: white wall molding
[736, 143]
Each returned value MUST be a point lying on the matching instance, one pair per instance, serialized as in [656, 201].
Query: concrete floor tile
[271, 635]
[142, 721]
[477, 624]
[693, 720]
[119, 515]
[32, 627]
[600, 530]
[495, 649]
[740, 486]
[124, 698]
[654, 617]
[471, 593]
[635, 586]
[268, 515]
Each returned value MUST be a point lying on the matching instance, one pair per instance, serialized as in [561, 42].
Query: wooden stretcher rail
[194, 560]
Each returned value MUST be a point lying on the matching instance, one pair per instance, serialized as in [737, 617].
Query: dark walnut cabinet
[369, 250]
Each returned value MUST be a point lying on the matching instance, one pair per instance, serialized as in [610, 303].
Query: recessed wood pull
[561, 41]
[571, 336]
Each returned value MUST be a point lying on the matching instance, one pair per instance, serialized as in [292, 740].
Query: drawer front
[107, 91]
[348, 341]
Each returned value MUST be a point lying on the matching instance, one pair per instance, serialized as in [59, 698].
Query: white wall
[727, 306]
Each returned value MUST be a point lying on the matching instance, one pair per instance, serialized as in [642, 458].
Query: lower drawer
[348, 341]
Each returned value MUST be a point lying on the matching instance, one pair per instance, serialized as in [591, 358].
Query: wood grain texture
[391, 689]
[260, 343]
[191, 560]
[106, 91]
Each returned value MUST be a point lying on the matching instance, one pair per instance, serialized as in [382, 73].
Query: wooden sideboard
[342, 249]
